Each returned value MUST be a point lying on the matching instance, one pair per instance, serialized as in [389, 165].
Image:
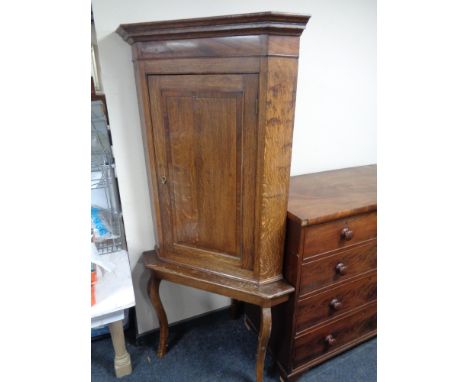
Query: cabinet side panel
[147, 134]
[277, 101]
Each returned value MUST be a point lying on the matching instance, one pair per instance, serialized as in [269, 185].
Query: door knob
[336, 304]
[346, 234]
[330, 340]
[341, 268]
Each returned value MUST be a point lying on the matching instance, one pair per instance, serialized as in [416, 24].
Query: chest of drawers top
[331, 195]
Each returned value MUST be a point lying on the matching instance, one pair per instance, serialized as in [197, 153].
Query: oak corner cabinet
[331, 260]
[217, 98]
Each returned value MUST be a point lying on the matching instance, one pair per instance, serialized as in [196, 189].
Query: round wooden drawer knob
[330, 340]
[346, 234]
[341, 268]
[336, 304]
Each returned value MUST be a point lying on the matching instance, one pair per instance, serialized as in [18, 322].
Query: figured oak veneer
[217, 98]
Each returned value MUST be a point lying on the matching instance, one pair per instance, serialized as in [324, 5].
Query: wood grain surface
[265, 295]
[325, 237]
[329, 195]
[322, 271]
[343, 330]
[335, 301]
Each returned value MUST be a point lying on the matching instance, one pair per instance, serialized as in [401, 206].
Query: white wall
[335, 123]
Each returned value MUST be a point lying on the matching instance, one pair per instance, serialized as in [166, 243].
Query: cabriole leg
[153, 292]
[263, 337]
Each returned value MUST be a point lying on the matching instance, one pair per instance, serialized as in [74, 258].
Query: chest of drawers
[331, 260]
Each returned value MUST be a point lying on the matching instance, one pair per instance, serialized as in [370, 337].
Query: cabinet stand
[264, 296]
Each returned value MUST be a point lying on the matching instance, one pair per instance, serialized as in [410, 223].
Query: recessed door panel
[202, 135]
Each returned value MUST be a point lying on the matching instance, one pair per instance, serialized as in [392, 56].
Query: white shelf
[114, 291]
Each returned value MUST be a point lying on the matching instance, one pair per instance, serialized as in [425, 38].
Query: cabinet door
[205, 143]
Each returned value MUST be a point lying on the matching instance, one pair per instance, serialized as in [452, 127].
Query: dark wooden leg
[153, 292]
[236, 309]
[263, 337]
[290, 379]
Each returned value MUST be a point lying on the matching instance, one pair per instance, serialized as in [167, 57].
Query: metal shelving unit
[106, 213]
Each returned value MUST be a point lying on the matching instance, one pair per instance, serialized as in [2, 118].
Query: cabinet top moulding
[264, 23]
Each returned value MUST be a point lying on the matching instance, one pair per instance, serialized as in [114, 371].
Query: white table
[114, 294]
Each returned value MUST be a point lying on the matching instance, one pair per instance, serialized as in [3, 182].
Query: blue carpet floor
[216, 348]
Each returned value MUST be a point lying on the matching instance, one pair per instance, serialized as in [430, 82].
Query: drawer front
[339, 234]
[335, 301]
[334, 335]
[338, 267]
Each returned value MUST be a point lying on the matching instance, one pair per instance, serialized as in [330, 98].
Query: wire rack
[106, 216]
